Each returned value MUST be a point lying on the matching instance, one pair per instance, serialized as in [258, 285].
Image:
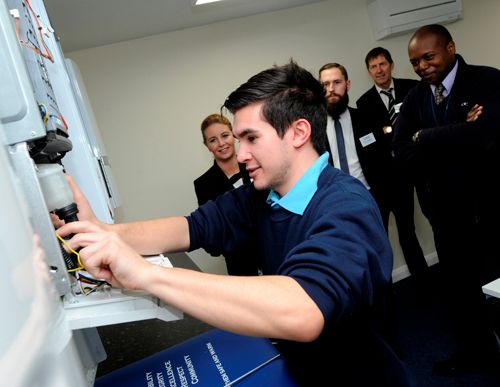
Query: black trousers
[399, 199]
[469, 259]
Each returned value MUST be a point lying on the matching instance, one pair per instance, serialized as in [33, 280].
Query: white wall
[150, 95]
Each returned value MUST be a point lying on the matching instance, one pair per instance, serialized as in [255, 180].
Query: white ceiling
[90, 23]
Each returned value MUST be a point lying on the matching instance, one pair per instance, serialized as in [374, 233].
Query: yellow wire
[74, 252]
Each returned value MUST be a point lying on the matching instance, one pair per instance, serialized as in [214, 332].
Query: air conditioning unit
[395, 17]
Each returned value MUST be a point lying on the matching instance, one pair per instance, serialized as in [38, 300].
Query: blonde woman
[224, 175]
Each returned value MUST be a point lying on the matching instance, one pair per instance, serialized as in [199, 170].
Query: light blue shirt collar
[298, 198]
[448, 81]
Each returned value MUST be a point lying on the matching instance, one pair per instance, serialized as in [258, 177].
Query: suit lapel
[400, 91]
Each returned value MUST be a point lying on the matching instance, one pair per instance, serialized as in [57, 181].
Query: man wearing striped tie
[393, 190]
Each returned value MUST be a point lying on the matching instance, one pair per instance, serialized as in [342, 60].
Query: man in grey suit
[394, 190]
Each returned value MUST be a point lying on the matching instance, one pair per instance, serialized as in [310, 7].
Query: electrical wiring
[95, 284]
[86, 290]
[90, 280]
[27, 45]
[80, 264]
[47, 54]
[93, 289]
[34, 44]
[64, 121]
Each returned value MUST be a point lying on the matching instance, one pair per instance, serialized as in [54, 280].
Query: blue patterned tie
[341, 146]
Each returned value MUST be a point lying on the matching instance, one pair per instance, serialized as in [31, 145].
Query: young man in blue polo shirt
[324, 253]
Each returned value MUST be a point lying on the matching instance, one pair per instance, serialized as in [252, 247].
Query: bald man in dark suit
[447, 137]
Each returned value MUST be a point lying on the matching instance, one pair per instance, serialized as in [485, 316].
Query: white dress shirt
[350, 146]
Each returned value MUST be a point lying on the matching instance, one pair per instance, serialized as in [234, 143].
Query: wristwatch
[416, 135]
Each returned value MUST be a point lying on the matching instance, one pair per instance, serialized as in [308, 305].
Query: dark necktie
[390, 106]
[233, 179]
[341, 146]
[438, 94]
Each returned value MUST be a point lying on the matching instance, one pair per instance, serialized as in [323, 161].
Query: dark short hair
[288, 93]
[434, 29]
[328, 66]
[377, 51]
[214, 119]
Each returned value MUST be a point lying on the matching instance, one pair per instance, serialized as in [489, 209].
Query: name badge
[367, 139]
[397, 107]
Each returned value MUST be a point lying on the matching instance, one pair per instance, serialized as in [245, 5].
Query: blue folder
[212, 359]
